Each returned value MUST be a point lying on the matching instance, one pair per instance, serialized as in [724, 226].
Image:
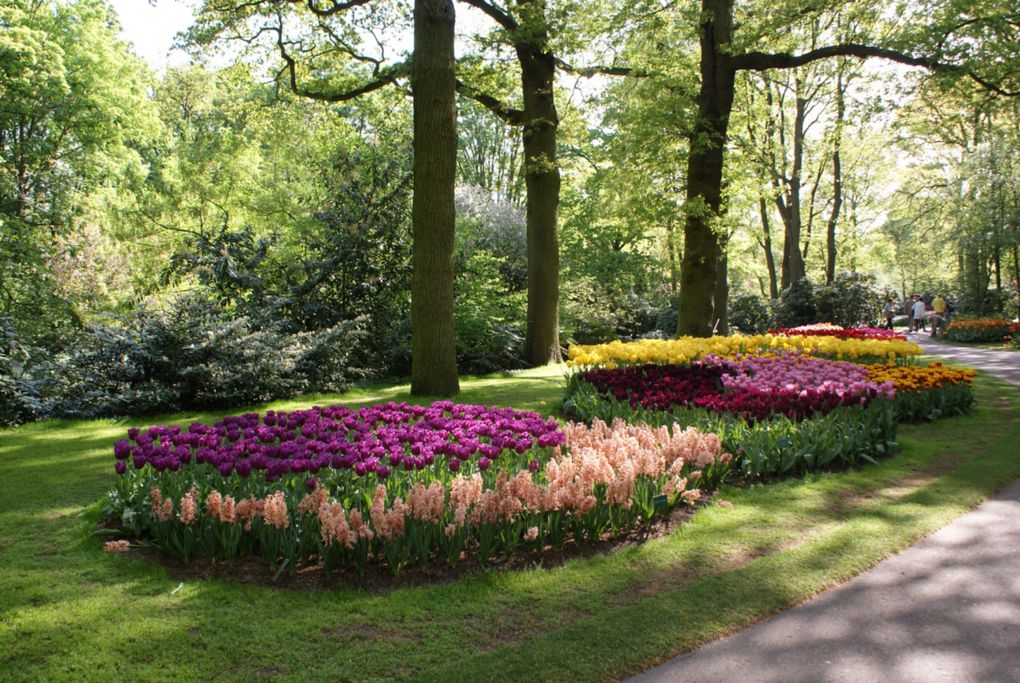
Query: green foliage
[74, 113]
[779, 446]
[851, 300]
[488, 319]
[796, 305]
[192, 356]
[750, 314]
[19, 400]
[925, 405]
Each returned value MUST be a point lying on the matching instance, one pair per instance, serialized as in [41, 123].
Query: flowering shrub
[753, 387]
[978, 331]
[928, 392]
[778, 415]
[686, 349]
[533, 484]
[1014, 330]
[828, 330]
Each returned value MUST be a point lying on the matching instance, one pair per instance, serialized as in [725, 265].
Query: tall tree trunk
[837, 183]
[793, 259]
[542, 182]
[1016, 271]
[720, 296]
[702, 249]
[434, 354]
[766, 245]
[674, 271]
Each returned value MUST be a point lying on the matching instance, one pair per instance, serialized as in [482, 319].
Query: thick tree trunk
[793, 258]
[1016, 271]
[702, 248]
[542, 182]
[720, 296]
[837, 184]
[434, 354]
[766, 245]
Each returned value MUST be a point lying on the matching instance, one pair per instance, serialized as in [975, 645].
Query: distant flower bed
[984, 330]
[754, 387]
[826, 330]
[684, 350]
[926, 392]
[778, 415]
[1014, 330]
[400, 484]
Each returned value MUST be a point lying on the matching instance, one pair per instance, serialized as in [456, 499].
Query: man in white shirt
[920, 315]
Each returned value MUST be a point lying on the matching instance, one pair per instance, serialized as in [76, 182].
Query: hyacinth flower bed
[926, 392]
[829, 330]
[684, 350]
[399, 484]
[779, 415]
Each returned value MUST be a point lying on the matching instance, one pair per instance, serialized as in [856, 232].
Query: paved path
[946, 609]
[1003, 364]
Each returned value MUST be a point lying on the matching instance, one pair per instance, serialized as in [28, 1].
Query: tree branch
[599, 70]
[762, 61]
[382, 78]
[500, 16]
[334, 8]
[513, 117]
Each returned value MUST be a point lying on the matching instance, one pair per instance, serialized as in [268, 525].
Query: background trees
[278, 191]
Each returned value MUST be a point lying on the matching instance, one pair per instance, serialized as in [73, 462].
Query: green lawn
[70, 612]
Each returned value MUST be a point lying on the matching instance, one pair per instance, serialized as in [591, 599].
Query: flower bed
[985, 330]
[754, 388]
[400, 484]
[928, 392]
[779, 415]
[686, 349]
[827, 330]
[1014, 330]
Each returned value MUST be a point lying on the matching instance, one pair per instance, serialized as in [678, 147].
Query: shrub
[750, 314]
[19, 400]
[192, 356]
[851, 300]
[489, 320]
[796, 305]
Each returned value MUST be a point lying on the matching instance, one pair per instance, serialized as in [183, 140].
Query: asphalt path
[946, 609]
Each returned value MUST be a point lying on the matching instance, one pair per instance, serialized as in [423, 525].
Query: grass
[70, 612]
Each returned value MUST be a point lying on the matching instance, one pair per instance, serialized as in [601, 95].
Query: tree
[946, 45]
[74, 111]
[433, 84]
[334, 52]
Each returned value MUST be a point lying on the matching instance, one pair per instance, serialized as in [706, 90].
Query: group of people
[919, 313]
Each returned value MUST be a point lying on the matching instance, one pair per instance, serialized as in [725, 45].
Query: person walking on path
[889, 312]
[939, 318]
[920, 314]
